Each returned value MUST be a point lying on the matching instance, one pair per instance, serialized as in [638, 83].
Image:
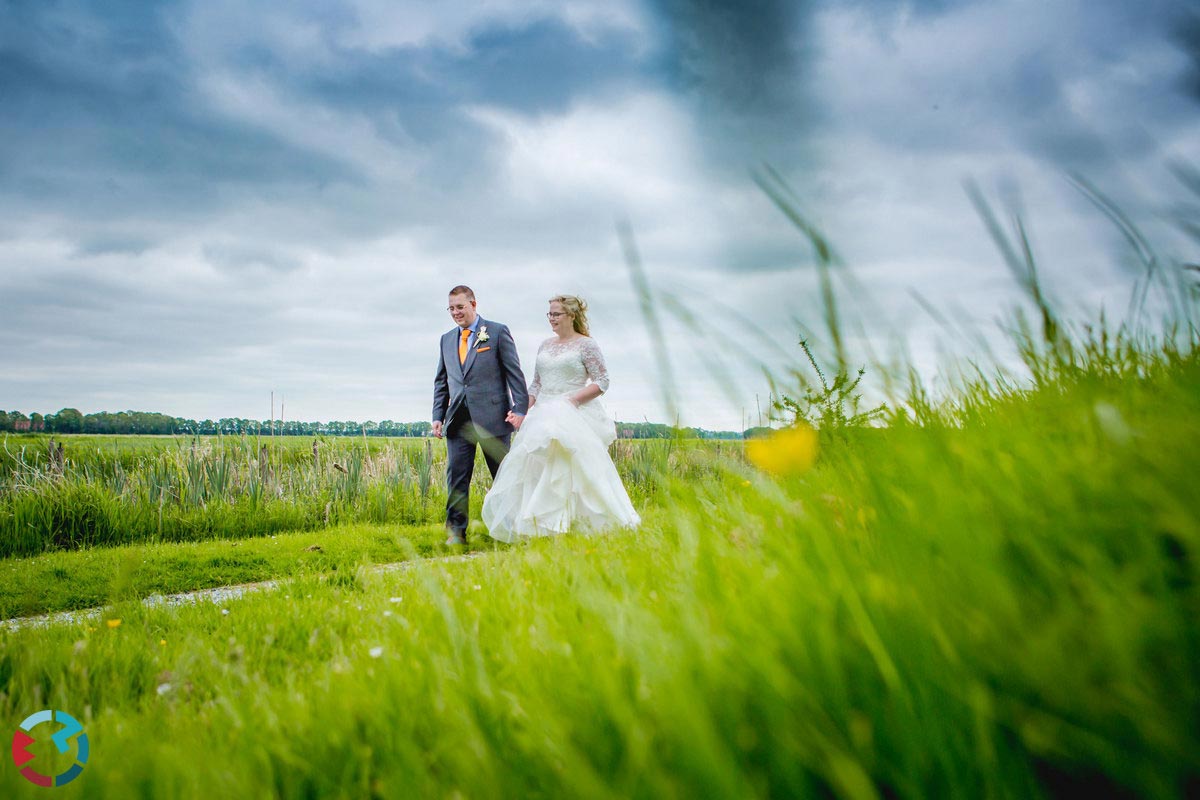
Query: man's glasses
[452, 309]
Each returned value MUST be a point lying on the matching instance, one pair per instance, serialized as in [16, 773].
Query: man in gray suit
[479, 398]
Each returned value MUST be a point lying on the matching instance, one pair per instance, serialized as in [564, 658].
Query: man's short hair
[460, 289]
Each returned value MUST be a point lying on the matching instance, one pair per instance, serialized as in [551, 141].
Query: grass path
[216, 594]
[96, 577]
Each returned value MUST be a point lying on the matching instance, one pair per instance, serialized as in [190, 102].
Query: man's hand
[514, 419]
[437, 429]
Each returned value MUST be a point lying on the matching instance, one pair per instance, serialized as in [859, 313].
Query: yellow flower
[785, 452]
[113, 623]
[162, 642]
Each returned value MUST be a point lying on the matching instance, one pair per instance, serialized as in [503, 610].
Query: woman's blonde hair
[577, 308]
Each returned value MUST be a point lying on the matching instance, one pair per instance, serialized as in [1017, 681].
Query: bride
[558, 473]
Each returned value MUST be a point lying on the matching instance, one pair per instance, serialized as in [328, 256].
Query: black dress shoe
[456, 538]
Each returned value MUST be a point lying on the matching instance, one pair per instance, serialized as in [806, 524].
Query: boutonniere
[482, 335]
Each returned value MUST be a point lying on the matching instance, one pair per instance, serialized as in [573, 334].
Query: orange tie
[462, 346]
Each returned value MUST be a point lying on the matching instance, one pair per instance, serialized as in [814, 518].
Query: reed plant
[154, 489]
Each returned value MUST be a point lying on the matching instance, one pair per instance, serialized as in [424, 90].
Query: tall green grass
[124, 490]
[184, 489]
[992, 597]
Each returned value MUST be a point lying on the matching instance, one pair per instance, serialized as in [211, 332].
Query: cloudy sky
[205, 201]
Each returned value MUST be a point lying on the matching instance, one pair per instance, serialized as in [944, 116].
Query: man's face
[462, 310]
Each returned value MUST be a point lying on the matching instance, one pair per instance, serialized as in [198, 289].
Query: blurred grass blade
[647, 304]
[777, 189]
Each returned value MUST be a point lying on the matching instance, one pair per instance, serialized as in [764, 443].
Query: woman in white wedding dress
[558, 474]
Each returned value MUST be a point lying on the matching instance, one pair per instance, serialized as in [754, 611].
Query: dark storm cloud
[106, 115]
[1187, 37]
[417, 98]
[1074, 85]
[745, 66]
[537, 67]
[750, 68]
[101, 119]
[1109, 49]
[889, 10]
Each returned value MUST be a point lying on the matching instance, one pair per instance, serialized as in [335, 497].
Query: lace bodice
[564, 367]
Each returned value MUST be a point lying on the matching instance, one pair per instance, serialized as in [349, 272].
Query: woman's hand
[589, 392]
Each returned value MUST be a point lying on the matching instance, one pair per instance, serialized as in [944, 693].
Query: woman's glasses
[553, 315]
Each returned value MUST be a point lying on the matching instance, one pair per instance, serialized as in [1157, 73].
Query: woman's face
[560, 320]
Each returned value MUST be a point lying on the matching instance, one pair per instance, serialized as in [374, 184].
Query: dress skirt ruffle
[558, 475]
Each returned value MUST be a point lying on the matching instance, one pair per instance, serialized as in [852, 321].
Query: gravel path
[218, 594]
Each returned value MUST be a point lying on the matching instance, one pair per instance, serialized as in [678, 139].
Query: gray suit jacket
[488, 385]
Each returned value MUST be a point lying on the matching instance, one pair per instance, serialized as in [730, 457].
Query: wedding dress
[558, 474]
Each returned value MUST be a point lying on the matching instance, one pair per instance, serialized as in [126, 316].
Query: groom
[478, 389]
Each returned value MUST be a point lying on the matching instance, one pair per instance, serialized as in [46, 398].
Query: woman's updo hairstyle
[577, 308]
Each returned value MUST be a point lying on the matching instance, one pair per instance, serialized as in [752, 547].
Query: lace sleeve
[535, 388]
[593, 362]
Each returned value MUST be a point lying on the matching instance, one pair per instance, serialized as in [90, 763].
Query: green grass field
[995, 596]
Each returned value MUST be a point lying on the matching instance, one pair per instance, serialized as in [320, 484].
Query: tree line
[70, 420]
